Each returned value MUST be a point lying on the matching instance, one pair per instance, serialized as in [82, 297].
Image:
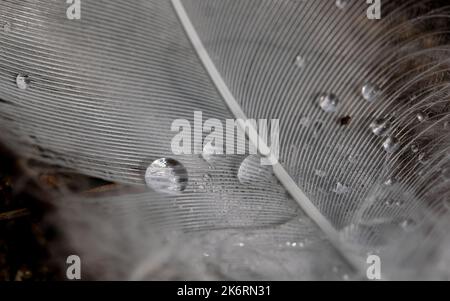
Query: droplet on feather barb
[340, 188]
[22, 81]
[342, 4]
[167, 176]
[300, 61]
[328, 102]
[391, 145]
[370, 92]
[421, 117]
[6, 27]
[380, 127]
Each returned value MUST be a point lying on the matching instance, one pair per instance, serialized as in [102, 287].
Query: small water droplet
[328, 102]
[341, 4]
[300, 61]
[380, 127]
[399, 203]
[320, 173]
[22, 81]
[370, 92]
[423, 158]
[408, 224]
[352, 159]
[241, 244]
[391, 145]
[414, 148]
[345, 277]
[6, 26]
[166, 175]
[389, 202]
[390, 182]
[205, 254]
[304, 121]
[340, 188]
[252, 171]
[421, 117]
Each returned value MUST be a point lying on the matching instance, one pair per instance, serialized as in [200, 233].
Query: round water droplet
[22, 81]
[300, 61]
[370, 92]
[340, 189]
[251, 171]
[391, 145]
[166, 175]
[341, 4]
[421, 117]
[414, 148]
[380, 127]
[328, 102]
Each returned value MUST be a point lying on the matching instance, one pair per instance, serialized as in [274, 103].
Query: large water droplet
[391, 145]
[251, 171]
[328, 102]
[166, 175]
[22, 81]
[380, 127]
[370, 92]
